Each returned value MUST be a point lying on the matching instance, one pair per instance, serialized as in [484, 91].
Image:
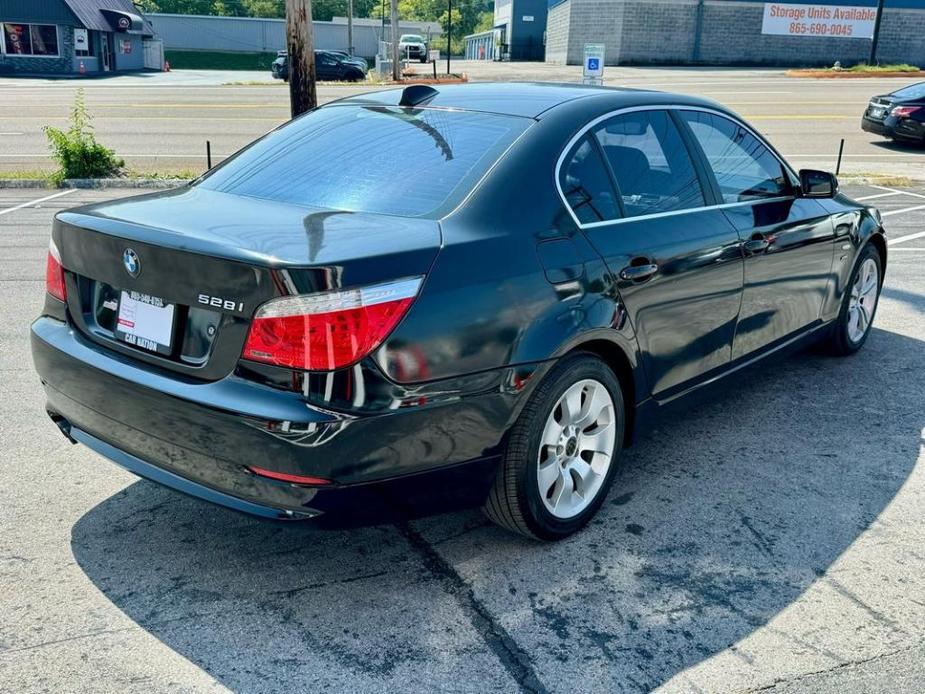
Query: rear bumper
[198, 437]
[898, 128]
[875, 126]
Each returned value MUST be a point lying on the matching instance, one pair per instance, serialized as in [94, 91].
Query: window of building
[744, 168]
[586, 185]
[30, 39]
[651, 163]
[83, 43]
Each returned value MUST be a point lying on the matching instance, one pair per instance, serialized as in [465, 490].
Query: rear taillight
[331, 330]
[904, 111]
[54, 274]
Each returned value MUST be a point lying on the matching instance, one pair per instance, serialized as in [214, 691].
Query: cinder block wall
[557, 32]
[661, 31]
[666, 31]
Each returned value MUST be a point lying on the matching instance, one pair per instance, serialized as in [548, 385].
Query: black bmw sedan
[305, 332]
[899, 115]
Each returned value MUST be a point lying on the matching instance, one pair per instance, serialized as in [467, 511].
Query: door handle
[756, 245]
[638, 273]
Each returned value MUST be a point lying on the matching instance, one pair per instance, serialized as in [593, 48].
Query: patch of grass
[28, 174]
[894, 67]
[218, 60]
[185, 174]
[877, 179]
[371, 79]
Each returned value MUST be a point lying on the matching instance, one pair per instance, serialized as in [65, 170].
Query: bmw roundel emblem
[132, 262]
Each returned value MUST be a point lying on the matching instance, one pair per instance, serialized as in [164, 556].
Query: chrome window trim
[688, 210]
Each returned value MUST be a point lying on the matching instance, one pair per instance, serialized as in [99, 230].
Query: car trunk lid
[206, 260]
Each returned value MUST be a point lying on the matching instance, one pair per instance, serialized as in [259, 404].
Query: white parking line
[879, 195]
[904, 192]
[908, 250]
[36, 202]
[903, 239]
[890, 213]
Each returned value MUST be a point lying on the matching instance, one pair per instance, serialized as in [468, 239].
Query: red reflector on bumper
[285, 477]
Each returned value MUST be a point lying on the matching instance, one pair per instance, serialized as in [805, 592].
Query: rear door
[636, 192]
[789, 241]
[326, 66]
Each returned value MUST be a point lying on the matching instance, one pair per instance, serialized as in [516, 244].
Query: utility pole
[449, 32]
[350, 27]
[876, 36]
[396, 65]
[300, 43]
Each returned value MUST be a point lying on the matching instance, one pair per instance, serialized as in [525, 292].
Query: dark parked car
[899, 115]
[328, 66]
[304, 332]
[354, 59]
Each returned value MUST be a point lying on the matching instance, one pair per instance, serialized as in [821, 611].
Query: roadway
[161, 121]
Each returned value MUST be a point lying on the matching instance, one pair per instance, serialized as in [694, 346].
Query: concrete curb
[141, 183]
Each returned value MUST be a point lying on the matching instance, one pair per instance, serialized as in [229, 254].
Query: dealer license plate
[877, 112]
[145, 321]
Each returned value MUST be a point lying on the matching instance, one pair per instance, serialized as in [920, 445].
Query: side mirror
[818, 184]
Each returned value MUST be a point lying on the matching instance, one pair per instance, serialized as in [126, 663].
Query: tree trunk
[396, 33]
[300, 42]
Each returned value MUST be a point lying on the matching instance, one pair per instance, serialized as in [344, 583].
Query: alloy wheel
[863, 300]
[576, 449]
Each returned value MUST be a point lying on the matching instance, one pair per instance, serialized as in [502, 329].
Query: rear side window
[652, 166]
[913, 91]
[388, 160]
[586, 184]
[744, 168]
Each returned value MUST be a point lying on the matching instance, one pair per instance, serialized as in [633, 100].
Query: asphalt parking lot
[771, 540]
[161, 121]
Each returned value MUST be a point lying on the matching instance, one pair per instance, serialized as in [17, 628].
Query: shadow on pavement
[719, 520]
[901, 146]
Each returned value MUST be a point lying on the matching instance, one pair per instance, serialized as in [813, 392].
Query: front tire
[859, 306]
[562, 452]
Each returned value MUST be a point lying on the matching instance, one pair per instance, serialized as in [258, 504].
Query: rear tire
[558, 465]
[859, 305]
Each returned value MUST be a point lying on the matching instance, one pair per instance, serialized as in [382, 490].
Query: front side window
[30, 39]
[345, 158]
[586, 185]
[744, 168]
[650, 162]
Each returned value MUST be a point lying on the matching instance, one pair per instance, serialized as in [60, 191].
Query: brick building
[58, 36]
[724, 32]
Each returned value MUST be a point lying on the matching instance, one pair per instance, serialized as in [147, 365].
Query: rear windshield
[388, 160]
[913, 91]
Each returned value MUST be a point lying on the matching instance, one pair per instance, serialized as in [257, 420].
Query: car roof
[528, 99]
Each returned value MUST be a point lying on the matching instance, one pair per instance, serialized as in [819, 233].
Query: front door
[789, 241]
[105, 52]
[635, 191]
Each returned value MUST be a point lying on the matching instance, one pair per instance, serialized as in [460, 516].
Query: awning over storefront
[110, 15]
[125, 22]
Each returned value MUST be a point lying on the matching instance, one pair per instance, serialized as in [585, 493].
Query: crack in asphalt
[509, 653]
[835, 668]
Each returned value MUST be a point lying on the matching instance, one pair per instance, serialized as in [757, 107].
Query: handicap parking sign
[593, 71]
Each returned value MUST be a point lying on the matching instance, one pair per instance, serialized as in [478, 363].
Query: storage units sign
[841, 21]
